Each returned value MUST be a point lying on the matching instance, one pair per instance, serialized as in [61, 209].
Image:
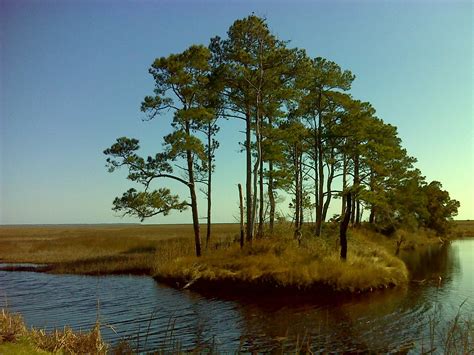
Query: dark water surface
[156, 316]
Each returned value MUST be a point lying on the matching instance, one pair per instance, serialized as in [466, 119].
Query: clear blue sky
[73, 74]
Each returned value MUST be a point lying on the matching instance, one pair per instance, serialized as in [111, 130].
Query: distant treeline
[304, 134]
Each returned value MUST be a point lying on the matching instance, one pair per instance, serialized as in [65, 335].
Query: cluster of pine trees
[304, 134]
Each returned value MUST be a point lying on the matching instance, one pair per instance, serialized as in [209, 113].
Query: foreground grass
[454, 337]
[15, 338]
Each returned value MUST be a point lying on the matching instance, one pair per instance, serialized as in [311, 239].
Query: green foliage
[185, 74]
[147, 204]
[441, 208]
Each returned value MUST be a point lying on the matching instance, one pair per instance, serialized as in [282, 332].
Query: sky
[73, 75]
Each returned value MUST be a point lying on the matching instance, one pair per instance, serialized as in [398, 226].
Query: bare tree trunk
[297, 191]
[241, 204]
[356, 201]
[192, 191]
[358, 213]
[261, 192]
[372, 215]
[372, 208]
[209, 184]
[248, 183]
[344, 184]
[300, 169]
[259, 135]
[271, 196]
[316, 187]
[319, 210]
[328, 189]
[255, 176]
[356, 187]
[316, 175]
[343, 227]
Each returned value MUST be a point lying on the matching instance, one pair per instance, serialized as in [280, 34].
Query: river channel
[153, 316]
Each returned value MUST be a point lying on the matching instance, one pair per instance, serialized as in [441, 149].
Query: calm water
[152, 314]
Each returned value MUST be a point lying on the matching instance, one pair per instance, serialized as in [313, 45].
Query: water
[155, 316]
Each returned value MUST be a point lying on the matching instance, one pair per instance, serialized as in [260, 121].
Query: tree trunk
[343, 227]
[209, 184]
[297, 192]
[300, 169]
[372, 215]
[319, 211]
[316, 176]
[356, 201]
[192, 192]
[248, 182]
[328, 189]
[261, 191]
[358, 213]
[356, 187]
[241, 204]
[271, 196]
[344, 184]
[372, 207]
[255, 180]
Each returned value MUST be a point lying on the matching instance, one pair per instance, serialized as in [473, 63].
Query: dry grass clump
[70, 342]
[11, 327]
[13, 330]
[281, 262]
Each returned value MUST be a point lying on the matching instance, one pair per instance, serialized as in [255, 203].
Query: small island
[306, 138]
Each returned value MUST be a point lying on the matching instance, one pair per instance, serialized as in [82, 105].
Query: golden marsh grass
[102, 249]
[282, 263]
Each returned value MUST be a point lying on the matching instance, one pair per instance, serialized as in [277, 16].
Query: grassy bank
[281, 262]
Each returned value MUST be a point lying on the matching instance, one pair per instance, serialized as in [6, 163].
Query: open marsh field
[101, 249]
[463, 229]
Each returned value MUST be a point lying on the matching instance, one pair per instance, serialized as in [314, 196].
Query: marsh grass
[99, 250]
[281, 262]
[463, 229]
[453, 337]
[67, 341]
[11, 327]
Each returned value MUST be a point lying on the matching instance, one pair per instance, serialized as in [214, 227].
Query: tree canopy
[305, 135]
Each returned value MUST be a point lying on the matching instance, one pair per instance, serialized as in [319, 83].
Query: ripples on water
[158, 316]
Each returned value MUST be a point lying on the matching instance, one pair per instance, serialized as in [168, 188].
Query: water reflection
[433, 261]
[153, 314]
